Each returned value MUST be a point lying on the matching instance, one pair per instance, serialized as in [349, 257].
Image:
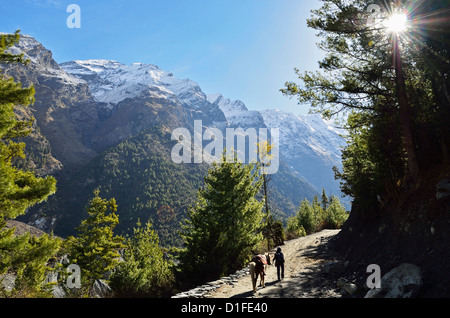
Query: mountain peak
[112, 82]
[26, 41]
[89, 67]
[212, 98]
[236, 113]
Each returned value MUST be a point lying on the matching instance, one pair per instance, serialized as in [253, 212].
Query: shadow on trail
[311, 282]
[250, 294]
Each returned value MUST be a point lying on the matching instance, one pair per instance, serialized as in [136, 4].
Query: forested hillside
[142, 178]
[120, 143]
[147, 185]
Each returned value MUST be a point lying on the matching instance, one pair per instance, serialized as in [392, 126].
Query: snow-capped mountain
[310, 145]
[87, 112]
[305, 134]
[236, 112]
[42, 61]
[65, 112]
[112, 82]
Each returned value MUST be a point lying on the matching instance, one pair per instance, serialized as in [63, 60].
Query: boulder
[404, 281]
[7, 282]
[101, 289]
[350, 288]
[334, 267]
[341, 282]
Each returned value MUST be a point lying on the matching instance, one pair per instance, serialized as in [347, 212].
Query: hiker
[279, 263]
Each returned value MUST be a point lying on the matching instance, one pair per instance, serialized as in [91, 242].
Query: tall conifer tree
[24, 255]
[224, 226]
[96, 249]
[385, 85]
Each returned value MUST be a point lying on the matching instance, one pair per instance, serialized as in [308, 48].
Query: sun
[396, 23]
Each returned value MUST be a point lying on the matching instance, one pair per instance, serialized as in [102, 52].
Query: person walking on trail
[279, 263]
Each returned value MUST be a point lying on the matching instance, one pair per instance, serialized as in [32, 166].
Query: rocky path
[305, 276]
[311, 271]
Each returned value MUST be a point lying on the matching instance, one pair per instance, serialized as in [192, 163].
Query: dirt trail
[304, 277]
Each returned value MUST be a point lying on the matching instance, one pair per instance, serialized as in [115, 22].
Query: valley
[108, 125]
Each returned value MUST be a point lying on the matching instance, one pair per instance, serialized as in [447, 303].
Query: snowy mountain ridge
[37, 55]
[310, 145]
[236, 112]
[307, 142]
[112, 82]
[300, 131]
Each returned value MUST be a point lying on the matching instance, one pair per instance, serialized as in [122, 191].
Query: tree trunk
[266, 201]
[412, 172]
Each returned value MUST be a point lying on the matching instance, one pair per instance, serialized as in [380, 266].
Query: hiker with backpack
[279, 263]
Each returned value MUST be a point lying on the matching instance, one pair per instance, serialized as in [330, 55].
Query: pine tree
[144, 271]
[311, 217]
[19, 190]
[273, 229]
[305, 217]
[381, 84]
[224, 225]
[96, 249]
[335, 214]
[324, 200]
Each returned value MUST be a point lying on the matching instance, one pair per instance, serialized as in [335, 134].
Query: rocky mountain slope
[65, 111]
[309, 145]
[103, 124]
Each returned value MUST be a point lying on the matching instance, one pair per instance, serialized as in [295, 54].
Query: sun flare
[396, 23]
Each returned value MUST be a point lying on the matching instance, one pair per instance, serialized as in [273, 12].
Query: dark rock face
[65, 111]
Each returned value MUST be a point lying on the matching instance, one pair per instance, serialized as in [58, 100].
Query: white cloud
[48, 3]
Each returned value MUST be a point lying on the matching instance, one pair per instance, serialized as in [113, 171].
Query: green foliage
[324, 201]
[143, 179]
[96, 249]
[19, 190]
[31, 268]
[311, 217]
[396, 114]
[149, 186]
[224, 225]
[6, 41]
[24, 255]
[144, 271]
[335, 214]
[293, 229]
[273, 232]
[27, 258]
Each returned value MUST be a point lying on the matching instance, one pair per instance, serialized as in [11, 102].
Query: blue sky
[244, 49]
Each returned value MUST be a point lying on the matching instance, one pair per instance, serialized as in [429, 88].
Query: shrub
[311, 217]
[335, 214]
[144, 271]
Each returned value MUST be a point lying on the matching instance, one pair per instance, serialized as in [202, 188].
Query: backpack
[279, 258]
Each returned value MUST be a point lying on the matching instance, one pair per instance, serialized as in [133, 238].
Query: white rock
[403, 281]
